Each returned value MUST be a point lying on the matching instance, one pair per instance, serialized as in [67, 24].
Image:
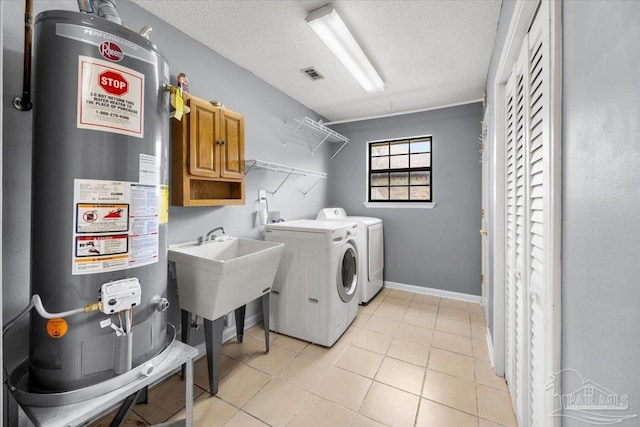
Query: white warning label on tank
[116, 226]
[110, 97]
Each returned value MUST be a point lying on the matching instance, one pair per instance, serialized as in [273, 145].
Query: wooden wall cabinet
[207, 156]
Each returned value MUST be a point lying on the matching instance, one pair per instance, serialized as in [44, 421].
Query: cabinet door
[203, 139]
[232, 148]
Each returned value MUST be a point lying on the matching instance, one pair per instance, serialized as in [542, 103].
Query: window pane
[380, 149]
[421, 178]
[400, 178]
[378, 179]
[400, 147]
[398, 162]
[420, 160]
[421, 146]
[379, 193]
[420, 193]
[399, 193]
[379, 163]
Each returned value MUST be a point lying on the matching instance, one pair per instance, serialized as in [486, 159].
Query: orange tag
[57, 328]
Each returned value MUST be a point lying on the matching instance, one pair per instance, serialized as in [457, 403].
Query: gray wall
[506, 11]
[601, 178]
[437, 248]
[211, 77]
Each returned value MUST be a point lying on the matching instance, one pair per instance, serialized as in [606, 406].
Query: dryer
[371, 247]
[315, 295]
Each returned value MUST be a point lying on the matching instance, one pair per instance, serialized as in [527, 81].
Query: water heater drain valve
[120, 295]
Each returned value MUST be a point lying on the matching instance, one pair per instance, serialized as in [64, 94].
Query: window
[400, 170]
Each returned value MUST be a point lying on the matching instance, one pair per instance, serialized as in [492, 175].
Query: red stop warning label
[57, 328]
[113, 82]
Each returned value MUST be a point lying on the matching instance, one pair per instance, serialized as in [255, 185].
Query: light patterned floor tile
[420, 317]
[201, 373]
[360, 361]
[362, 421]
[241, 385]
[450, 391]
[242, 419]
[319, 412]
[432, 414]
[344, 388]
[396, 293]
[452, 342]
[450, 363]
[132, 420]
[208, 411]
[390, 406]
[242, 351]
[390, 312]
[495, 405]
[454, 313]
[426, 299]
[380, 325]
[414, 333]
[272, 362]
[475, 308]
[304, 372]
[485, 375]
[447, 302]
[370, 340]
[409, 351]
[480, 349]
[165, 399]
[290, 343]
[454, 327]
[323, 354]
[276, 403]
[402, 375]
[360, 320]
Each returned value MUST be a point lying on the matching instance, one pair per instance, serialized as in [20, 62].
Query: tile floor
[407, 360]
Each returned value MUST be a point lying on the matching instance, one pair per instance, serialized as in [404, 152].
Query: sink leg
[239, 312]
[185, 328]
[213, 341]
[265, 319]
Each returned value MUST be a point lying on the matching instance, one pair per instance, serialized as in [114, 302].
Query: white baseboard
[490, 348]
[435, 292]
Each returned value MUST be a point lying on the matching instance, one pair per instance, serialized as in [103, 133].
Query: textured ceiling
[429, 53]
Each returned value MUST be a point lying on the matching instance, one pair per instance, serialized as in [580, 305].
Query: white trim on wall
[434, 292]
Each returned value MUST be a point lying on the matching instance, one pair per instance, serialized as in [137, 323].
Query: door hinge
[482, 279]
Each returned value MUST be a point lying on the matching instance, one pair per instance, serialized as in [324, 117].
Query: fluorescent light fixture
[328, 25]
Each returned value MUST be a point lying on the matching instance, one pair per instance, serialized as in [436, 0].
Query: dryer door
[347, 277]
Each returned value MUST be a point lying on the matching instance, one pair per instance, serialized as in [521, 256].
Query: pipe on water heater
[23, 103]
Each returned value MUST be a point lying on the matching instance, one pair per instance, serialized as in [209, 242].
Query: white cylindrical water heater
[100, 196]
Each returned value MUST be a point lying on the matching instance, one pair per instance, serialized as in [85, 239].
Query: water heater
[100, 198]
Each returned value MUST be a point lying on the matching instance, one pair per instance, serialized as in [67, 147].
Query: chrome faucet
[210, 235]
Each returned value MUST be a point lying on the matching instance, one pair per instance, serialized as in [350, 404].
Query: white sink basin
[219, 276]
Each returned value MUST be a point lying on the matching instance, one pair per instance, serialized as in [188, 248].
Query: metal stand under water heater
[99, 210]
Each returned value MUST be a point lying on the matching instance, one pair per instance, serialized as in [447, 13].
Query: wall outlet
[262, 194]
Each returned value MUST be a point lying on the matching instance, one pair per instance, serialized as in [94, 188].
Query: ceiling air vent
[312, 73]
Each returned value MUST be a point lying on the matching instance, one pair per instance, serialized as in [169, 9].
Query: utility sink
[218, 276]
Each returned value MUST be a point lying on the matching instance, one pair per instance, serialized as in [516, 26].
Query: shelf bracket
[282, 183]
[253, 165]
[304, 193]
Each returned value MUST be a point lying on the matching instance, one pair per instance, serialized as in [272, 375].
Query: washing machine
[315, 295]
[371, 250]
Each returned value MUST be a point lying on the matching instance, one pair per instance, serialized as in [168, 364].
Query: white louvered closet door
[531, 251]
[510, 217]
[540, 245]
